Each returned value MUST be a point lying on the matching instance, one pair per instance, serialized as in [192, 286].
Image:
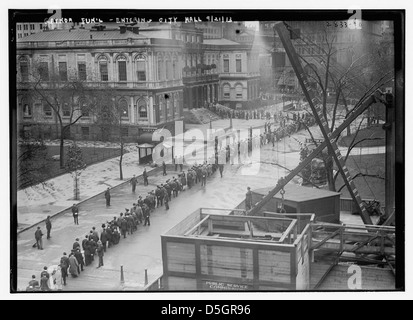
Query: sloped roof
[299, 193]
[221, 41]
[76, 35]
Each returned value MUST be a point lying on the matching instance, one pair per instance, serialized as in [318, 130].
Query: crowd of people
[94, 245]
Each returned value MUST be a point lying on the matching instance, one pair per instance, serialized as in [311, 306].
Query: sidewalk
[35, 203]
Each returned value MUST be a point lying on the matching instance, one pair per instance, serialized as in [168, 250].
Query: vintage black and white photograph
[206, 150]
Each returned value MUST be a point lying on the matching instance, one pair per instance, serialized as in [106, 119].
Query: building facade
[238, 69]
[145, 75]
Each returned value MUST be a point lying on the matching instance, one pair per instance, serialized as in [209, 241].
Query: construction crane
[329, 137]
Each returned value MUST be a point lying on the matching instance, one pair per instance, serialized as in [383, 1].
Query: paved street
[142, 250]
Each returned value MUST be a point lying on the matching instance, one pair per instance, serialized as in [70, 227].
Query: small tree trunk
[61, 152]
[120, 161]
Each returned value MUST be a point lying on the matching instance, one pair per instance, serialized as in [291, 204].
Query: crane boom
[316, 107]
[376, 97]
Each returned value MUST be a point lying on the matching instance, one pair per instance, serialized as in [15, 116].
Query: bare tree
[364, 70]
[66, 95]
[32, 163]
[110, 115]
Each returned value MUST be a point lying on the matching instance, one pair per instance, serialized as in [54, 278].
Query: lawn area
[375, 131]
[91, 155]
[368, 187]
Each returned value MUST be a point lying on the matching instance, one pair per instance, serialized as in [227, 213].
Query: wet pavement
[142, 250]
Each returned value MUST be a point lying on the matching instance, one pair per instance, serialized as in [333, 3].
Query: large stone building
[144, 73]
[154, 71]
[309, 39]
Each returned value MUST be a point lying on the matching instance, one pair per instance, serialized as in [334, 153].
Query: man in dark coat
[145, 177]
[168, 189]
[164, 168]
[73, 265]
[95, 234]
[116, 236]
[85, 242]
[109, 236]
[139, 214]
[38, 236]
[79, 257]
[124, 227]
[87, 252]
[33, 284]
[248, 199]
[173, 185]
[166, 200]
[45, 273]
[189, 179]
[92, 247]
[133, 182]
[140, 201]
[44, 286]
[100, 252]
[64, 265]
[75, 213]
[104, 237]
[107, 197]
[183, 180]
[158, 194]
[221, 169]
[48, 227]
[146, 215]
[76, 244]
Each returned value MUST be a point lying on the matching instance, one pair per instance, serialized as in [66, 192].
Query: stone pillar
[151, 111]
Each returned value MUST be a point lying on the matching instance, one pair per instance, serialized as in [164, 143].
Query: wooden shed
[213, 250]
[298, 199]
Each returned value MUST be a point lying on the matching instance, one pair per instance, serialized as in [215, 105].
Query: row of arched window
[167, 68]
[44, 109]
[239, 91]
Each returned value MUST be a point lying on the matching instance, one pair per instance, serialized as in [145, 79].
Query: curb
[157, 169]
[84, 200]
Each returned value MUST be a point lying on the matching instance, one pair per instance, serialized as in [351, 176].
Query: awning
[146, 145]
[146, 138]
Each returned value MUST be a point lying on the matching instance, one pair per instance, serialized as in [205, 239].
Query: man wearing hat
[164, 168]
[64, 265]
[100, 253]
[75, 212]
[79, 257]
[76, 244]
[107, 197]
[145, 177]
[158, 194]
[104, 237]
[133, 182]
[48, 227]
[38, 236]
[248, 199]
[33, 284]
[140, 201]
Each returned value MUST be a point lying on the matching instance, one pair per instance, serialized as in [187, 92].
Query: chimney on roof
[91, 37]
[122, 29]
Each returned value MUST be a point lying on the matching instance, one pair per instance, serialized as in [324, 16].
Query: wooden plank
[371, 279]
[181, 283]
[196, 226]
[186, 223]
[180, 257]
[335, 247]
[247, 218]
[232, 243]
[289, 229]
